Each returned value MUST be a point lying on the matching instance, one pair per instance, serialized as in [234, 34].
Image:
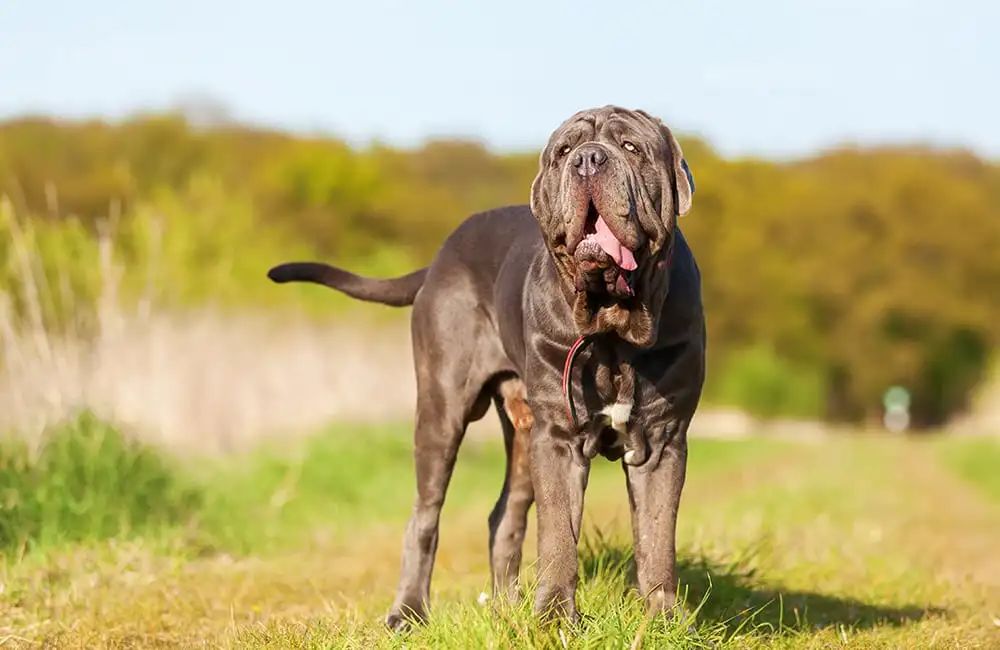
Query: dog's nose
[589, 159]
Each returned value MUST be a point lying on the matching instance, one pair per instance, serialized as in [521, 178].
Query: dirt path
[951, 527]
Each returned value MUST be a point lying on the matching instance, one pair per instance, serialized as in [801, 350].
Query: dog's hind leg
[509, 517]
[436, 442]
[452, 390]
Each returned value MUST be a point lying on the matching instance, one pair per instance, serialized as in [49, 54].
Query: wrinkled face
[610, 184]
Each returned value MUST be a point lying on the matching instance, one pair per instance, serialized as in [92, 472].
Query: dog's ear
[683, 181]
[541, 199]
[539, 202]
[687, 171]
[678, 173]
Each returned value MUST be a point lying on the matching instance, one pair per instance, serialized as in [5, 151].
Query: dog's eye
[565, 150]
[629, 147]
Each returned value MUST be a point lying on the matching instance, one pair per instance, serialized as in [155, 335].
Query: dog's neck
[635, 319]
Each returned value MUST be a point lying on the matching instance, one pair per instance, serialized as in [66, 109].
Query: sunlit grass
[86, 482]
[977, 460]
[781, 544]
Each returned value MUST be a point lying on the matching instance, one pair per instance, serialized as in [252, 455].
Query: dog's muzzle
[604, 264]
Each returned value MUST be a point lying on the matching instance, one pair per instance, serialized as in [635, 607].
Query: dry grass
[205, 379]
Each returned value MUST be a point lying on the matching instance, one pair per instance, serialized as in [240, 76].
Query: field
[854, 540]
[253, 488]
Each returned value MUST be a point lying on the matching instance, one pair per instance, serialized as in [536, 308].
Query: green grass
[977, 460]
[86, 483]
[275, 497]
[856, 541]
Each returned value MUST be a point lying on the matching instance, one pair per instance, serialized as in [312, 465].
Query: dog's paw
[556, 604]
[397, 622]
[402, 618]
[661, 602]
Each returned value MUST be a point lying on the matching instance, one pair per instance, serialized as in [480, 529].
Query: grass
[86, 483]
[106, 317]
[977, 460]
[851, 541]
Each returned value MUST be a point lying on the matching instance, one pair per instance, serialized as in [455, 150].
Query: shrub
[760, 381]
[86, 482]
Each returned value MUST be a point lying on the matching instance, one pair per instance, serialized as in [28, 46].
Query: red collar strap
[567, 388]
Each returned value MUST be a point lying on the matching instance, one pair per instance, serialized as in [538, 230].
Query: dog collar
[567, 388]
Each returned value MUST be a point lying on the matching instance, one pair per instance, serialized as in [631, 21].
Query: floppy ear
[678, 172]
[537, 200]
[683, 180]
[687, 170]
[540, 199]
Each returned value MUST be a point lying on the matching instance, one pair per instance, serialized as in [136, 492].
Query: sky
[754, 77]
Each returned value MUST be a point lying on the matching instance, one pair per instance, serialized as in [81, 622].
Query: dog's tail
[397, 292]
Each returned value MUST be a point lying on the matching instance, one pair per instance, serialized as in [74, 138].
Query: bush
[86, 482]
[764, 384]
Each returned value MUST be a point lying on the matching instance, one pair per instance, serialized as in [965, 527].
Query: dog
[580, 318]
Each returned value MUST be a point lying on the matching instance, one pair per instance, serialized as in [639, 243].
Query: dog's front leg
[654, 492]
[559, 474]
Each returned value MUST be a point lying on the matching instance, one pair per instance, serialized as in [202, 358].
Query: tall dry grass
[201, 379]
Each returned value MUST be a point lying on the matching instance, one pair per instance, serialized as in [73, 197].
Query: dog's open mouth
[596, 231]
[603, 258]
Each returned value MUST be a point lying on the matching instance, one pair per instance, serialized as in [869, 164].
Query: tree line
[826, 279]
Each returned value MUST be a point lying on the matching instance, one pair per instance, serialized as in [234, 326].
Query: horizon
[358, 144]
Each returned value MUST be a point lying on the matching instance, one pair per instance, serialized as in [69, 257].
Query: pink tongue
[622, 256]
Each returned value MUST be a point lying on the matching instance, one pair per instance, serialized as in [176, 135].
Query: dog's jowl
[580, 319]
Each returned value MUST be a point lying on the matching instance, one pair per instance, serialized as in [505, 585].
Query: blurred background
[192, 455]
[156, 159]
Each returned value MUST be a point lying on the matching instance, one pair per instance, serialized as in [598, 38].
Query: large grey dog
[581, 319]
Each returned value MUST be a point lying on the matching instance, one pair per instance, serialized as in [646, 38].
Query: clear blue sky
[754, 77]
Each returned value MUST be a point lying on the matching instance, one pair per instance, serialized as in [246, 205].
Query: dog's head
[610, 186]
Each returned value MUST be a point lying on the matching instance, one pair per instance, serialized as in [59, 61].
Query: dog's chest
[622, 408]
